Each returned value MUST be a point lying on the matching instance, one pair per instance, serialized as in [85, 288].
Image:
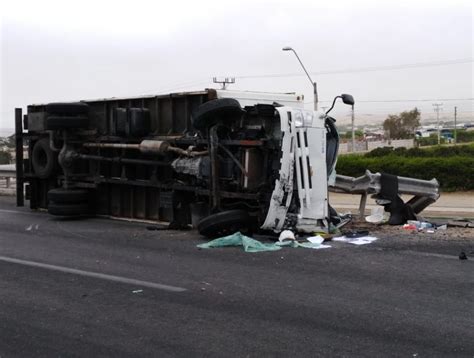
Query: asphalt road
[67, 289]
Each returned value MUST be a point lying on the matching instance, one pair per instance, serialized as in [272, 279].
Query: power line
[366, 69]
[407, 100]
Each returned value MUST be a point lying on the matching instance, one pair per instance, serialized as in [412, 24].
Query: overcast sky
[68, 50]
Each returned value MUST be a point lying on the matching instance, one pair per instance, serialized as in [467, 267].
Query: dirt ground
[387, 231]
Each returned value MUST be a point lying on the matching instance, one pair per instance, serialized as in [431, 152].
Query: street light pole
[353, 130]
[315, 87]
[437, 108]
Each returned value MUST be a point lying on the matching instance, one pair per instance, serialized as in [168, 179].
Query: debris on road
[360, 240]
[252, 245]
[137, 291]
[238, 239]
[462, 256]
[286, 235]
[316, 245]
[377, 216]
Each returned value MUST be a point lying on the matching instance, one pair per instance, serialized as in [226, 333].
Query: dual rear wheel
[68, 202]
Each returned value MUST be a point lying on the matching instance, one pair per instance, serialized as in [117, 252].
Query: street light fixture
[315, 88]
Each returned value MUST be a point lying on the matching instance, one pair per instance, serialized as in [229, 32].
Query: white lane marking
[102, 276]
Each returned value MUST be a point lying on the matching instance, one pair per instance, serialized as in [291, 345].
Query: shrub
[436, 151]
[453, 173]
[464, 136]
[379, 152]
[431, 140]
[5, 157]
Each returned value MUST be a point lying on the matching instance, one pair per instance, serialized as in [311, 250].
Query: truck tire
[65, 122]
[224, 223]
[43, 159]
[72, 108]
[226, 110]
[67, 209]
[68, 196]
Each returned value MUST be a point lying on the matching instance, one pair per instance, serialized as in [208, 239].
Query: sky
[390, 55]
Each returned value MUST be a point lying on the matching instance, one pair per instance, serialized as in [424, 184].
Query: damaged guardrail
[425, 192]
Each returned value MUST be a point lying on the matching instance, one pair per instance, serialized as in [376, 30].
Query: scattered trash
[377, 216]
[252, 245]
[237, 239]
[462, 256]
[307, 245]
[409, 227]
[318, 239]
[29, 227]
[362, 240]
[423, 225]
[137, 291]
[286, 235]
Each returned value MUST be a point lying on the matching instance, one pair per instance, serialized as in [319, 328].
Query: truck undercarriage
[203, 158]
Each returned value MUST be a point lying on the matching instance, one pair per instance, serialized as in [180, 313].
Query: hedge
[453, 171]
[5, 157]
[465, 136]
[436, 151]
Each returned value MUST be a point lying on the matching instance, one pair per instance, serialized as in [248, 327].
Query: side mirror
[348, 99]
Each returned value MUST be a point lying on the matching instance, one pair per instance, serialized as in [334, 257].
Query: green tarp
[252, 245]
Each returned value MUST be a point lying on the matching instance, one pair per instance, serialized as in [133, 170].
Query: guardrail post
[362, 203]
[20, 200]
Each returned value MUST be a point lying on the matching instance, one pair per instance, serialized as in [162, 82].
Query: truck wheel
[43, 159]
[224, 223]
[67, 209]
[65, 122]
[226, 110]
[68, 196]
[72, 108]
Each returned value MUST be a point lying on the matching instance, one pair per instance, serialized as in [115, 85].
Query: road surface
[111, 288]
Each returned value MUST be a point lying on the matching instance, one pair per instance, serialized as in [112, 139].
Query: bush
[465, 136]
[431, 140]
[5, 157]
[452, 166]
[436, 151]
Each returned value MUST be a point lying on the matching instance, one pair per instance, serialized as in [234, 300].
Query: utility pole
[353, 129]
[437, 108]
[455, 125]
[224, 81]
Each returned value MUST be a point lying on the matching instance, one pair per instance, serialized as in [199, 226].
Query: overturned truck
[217, 159]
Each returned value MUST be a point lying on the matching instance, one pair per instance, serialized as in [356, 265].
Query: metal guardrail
[7, 172]
[425, 192]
